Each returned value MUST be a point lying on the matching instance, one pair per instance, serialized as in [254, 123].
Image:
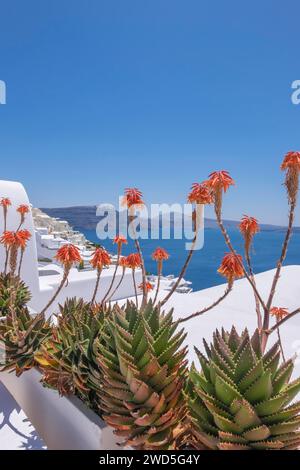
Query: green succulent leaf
[260, 390]
[249, 398]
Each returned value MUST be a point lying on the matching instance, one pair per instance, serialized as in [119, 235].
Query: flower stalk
[210, 307]
[99, 271]
[291, 165]
[230, 246]
[159, 255]
[134, 261]
[133, 200]
[67, 255]
[5, 203]
[100, 259]
[58, 290]
[200, 195]
[119, 240]
[282, 321]
[122, 263]
[23, 209]
[249, 227]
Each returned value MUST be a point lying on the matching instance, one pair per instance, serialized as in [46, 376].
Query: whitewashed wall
[17, 194]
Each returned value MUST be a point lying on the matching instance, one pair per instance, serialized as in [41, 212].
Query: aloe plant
[143, 369]
[242, 398]
[20, 338]
[66, 358]
[11, 284]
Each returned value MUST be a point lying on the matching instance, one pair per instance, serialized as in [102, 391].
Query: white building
[51, 233]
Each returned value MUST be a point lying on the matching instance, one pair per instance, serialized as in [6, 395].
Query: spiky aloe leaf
[267, 445]
[260, 390]
[244, 414]
[148, 405]
[258, 433]
[284, 415]
[12, 285]
[225, 392]
[67, 358]
[283, 376]
[21, 336]
[292, 390]
[251, 376]
[247, 404]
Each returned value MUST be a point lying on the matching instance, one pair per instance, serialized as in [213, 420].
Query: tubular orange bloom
[18, 239]
[133, 261]
[201, 193]
[123, 262]
[5, 202]
[133, 198]
[120, 240]
[231, 267]
[22, 237]
[148, 286]
[67, 255]
[160, 254]
[100, 258]
[279, 312]
[8, 239]
[248, 226]
[291, 161]
[23, 209]
[220, 180]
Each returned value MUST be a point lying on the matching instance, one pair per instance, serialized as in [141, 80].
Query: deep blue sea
[202, 270]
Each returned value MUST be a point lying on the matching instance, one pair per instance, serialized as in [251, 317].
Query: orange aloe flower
[291, 160]
[5, 202]
[248, 228]
[148, 286]
[67, 255]
[12, 242]
[279, 312]
[200, 194]
[133, 198]
[123, 262]
[231, 267]
[291, 163]
[220, 180]
[22, 237]
[8, 239]
[23, 209]
[100, 258]
[160, 255]
[120, 240]
[18, 239]
[133, 261]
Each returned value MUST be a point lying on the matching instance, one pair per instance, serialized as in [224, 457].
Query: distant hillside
[84, 218]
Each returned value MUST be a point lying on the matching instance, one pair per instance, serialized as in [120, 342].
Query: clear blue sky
[156, 94]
